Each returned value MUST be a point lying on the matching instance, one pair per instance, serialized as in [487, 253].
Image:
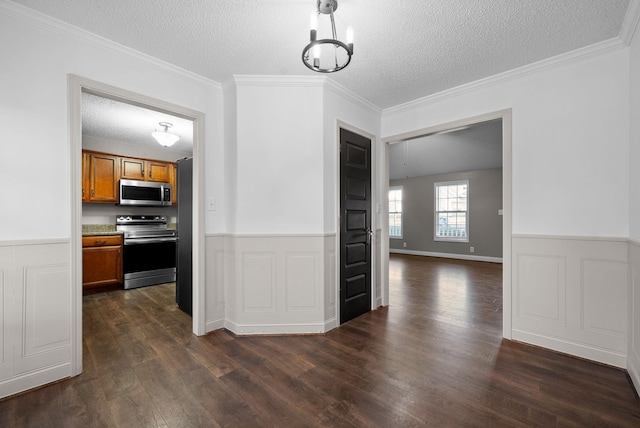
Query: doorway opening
[429, 238]
[80, 88]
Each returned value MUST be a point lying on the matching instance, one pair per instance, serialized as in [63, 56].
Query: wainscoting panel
[44, 298]
[330, 283]
[301, 287]
[604, 287]
[279, 284]
[570, 294]
[633, 358]
[214, 282]
[36, 324]
[259, 282]
[542, 288]
[6, 317]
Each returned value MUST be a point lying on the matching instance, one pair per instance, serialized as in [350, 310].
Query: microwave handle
[162, 188]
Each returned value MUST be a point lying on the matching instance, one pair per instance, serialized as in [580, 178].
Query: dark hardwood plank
[434, 357]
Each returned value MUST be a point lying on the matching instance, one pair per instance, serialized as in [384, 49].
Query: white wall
[279, 185]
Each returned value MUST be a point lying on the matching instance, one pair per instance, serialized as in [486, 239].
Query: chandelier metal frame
[326, 7]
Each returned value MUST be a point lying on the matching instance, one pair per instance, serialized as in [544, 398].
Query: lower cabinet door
[101, 266]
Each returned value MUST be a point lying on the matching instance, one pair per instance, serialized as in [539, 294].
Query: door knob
[369, 235]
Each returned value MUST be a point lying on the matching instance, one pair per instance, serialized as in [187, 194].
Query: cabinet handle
[93, 193]
[142, 173]
[83, 193]
[149, 172]
[100, 242]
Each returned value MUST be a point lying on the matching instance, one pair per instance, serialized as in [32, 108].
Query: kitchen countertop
[99, 229]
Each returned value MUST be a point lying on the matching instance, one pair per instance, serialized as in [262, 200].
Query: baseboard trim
[604, 356]
[274, 329]
[210, 326]
[31, 380]
[633, 368]
[448, 255]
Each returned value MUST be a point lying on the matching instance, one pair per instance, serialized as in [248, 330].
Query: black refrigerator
[184, 227]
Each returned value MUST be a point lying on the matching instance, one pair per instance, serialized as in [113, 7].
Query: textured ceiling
[113, 120]
[404, 50]
[474, 148]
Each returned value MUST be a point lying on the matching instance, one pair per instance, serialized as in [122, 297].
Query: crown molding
[543, 65]
[47, 22]
[352, 96]
[630, 23]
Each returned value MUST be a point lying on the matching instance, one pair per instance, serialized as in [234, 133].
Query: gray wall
[485, 225]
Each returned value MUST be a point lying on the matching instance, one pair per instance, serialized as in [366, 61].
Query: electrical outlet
[471, 249]
[404, 244]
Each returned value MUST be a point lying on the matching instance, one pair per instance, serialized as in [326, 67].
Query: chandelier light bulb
[349, 37]
[313, 20]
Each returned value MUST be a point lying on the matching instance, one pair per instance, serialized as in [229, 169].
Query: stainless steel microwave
[145, 193]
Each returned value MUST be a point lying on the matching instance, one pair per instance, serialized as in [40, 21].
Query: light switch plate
[211, 204]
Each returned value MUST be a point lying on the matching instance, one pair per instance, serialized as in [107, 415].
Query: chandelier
[327, 55]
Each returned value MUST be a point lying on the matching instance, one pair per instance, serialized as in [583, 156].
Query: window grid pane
[395, 213]
[451, 211]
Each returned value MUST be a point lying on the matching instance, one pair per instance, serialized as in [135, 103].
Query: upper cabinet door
[132, 169]
[158, 171]
[103, 177]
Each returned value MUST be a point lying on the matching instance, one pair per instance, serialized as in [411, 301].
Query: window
[395, 212]
[451, 211]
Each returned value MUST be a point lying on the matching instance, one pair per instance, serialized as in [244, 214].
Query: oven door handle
[149, 240]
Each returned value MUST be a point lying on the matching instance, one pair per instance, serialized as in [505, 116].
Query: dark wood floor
[434, 357]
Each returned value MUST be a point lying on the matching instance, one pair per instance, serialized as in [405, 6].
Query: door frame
[376, 300]
[505, 116]
[75, 86]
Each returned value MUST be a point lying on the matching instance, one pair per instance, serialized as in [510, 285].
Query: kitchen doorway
[77, 87]
[505, 117]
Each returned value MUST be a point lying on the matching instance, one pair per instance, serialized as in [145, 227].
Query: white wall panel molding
[214, 281]
[571, 295]
[331, 281]
[6, 311]
[35, 299]
[633, 357]
[259, 281]
[541, 292]
[280, 283]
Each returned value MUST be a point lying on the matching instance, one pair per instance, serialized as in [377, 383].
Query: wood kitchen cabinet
[158, 171]
[145, 170]
[101, 173]
[173, 174]
[132, 169]
[101, 261]
[85, 176]
[104, 173]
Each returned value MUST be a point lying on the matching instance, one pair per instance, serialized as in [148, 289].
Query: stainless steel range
[149, 250]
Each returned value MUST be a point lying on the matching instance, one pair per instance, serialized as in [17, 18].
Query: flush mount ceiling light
[327, 55]
[165, 138]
